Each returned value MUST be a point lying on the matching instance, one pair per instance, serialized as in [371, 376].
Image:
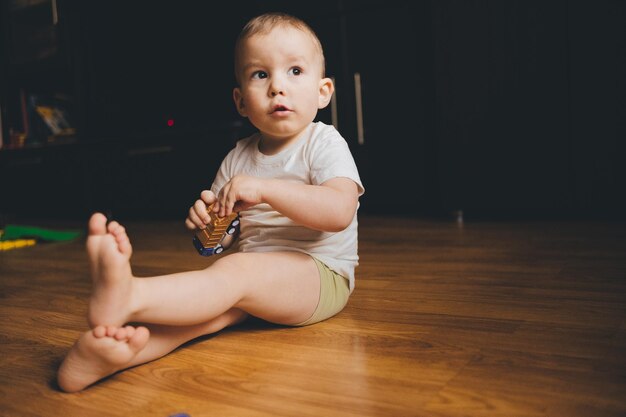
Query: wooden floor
[492, 319]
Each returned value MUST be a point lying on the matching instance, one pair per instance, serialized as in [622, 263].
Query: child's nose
[276, 88]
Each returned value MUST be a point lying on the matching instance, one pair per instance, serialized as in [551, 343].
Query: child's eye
[295, 71]
[259, 75]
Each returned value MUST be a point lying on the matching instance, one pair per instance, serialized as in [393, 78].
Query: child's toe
[97, 224]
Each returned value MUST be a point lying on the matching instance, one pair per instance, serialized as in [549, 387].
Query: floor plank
[487, 319]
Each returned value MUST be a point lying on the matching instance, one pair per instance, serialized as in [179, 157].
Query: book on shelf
[54, 115]
[45, 119]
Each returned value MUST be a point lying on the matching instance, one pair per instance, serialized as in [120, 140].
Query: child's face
[281, 84]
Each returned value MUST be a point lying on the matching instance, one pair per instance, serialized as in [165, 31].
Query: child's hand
[198, 216]
[240, 193]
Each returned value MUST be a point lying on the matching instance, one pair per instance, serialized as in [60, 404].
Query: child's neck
[271, 145]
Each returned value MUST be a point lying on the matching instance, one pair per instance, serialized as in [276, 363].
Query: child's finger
[222, 199]
[230, 203]
[208, 197]
[200, 210]
[193, 220]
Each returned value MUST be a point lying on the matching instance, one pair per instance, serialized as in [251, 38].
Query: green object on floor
[12, 231]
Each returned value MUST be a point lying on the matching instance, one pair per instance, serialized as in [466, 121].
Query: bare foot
[109, 253]
[99, 353]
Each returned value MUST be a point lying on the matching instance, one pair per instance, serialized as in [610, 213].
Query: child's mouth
[280, 109]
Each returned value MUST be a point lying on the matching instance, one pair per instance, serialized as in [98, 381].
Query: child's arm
[328, 207]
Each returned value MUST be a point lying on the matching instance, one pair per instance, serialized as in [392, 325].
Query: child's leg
[279, 287]
[105, 350]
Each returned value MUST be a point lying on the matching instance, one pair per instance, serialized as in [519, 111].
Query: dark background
[502, 109]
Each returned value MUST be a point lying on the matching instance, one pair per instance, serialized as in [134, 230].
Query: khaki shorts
[334, 293]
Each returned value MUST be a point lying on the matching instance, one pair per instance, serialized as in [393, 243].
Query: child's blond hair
[264, 23]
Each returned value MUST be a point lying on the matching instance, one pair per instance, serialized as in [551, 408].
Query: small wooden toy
[218, 235]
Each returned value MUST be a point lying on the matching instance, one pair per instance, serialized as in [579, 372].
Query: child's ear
[238, 97]
[327, 88]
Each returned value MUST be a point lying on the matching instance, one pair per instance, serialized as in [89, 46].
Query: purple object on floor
[180, 415]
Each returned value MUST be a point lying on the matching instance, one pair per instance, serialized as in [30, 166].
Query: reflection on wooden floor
[492, 319]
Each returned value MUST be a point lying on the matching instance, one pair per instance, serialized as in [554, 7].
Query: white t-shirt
[320, 154]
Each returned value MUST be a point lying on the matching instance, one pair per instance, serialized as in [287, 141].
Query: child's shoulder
[325, 145]
[323, 134]
[247, 141]
[245, 145]
[243, 149]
